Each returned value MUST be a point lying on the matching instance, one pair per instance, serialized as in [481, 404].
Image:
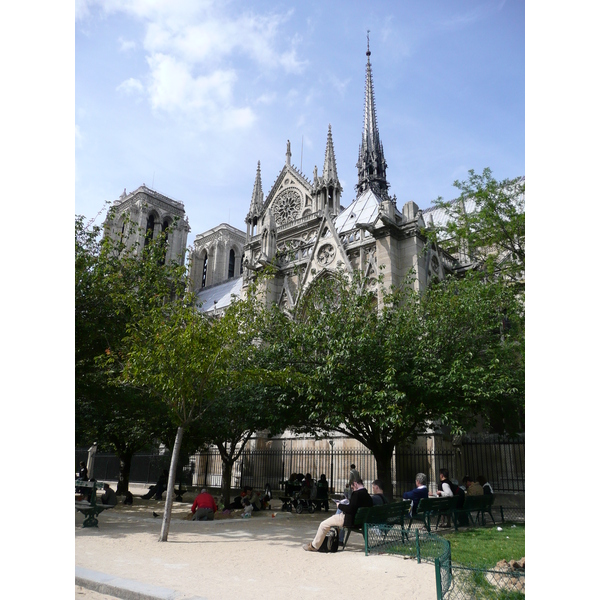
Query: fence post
[331, 479]
[438, 580]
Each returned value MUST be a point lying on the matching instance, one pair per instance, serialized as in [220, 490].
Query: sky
[187, 96]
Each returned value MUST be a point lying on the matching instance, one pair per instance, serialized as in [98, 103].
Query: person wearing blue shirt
[419, 492]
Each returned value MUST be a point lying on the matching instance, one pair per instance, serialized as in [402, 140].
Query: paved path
[230, 558]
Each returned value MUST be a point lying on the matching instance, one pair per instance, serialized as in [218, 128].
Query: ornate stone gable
[290, 198]
[328, 254]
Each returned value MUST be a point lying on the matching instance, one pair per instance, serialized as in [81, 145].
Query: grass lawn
[484, 546]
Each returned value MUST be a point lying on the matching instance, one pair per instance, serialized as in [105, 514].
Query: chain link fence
[453, 581]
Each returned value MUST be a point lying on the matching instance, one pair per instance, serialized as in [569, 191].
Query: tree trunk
[227, 468]
[164, 532]
[383, 458]
[124, 471]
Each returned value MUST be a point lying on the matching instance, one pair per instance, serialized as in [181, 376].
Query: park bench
[478, 505]
[90, 508]
[393, 513]
[434, 507]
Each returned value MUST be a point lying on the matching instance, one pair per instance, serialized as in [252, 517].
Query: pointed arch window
[204, 270]
[149, 229]
[231, 271]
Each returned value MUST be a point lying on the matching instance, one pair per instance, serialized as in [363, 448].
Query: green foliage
[483, 547]
[120, 417]
[493, 234]
[384, 376]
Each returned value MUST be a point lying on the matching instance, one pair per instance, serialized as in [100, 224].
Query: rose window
[286, 206]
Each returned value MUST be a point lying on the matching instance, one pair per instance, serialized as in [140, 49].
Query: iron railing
[500, 460]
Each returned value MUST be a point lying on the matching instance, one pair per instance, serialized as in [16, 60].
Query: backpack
[331, 541]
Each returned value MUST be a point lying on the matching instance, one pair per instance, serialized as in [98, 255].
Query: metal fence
[500, 460]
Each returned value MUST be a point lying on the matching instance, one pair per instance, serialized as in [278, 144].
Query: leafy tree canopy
[487, 223]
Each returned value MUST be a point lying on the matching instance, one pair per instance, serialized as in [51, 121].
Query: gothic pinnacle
[329, 166]
[257, 194]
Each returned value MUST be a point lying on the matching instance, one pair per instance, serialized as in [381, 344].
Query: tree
[192, 361]
[382, 377]
[487, 223]
[252, 381]
[106, 274]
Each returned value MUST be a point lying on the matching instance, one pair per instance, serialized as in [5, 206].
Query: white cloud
[190, 46]
[174, 88]
[126, 45]
[131, 86]
[266, 98]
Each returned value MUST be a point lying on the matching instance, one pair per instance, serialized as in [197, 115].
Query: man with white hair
[204, 507]
[419, 492]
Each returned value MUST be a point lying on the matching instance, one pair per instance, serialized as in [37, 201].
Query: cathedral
[300, 229]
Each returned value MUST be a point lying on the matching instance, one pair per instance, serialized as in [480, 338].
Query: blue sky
[186, 96]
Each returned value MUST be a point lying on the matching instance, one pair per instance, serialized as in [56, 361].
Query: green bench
[90, 508]
[393, 513]
[478, 505]
[429, 508]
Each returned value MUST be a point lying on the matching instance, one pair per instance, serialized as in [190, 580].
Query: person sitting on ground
[419, 492]
[360, 497]
[238, 501]
[254, 499]
[377, 495]
[128, 498]
[484, 483]
[204, 507]
[157, 490]
[473, 487]
[322, 495]
[109, 497]
[266, 498]
[248, 508]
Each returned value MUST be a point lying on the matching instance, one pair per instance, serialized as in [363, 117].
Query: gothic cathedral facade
[302, 231]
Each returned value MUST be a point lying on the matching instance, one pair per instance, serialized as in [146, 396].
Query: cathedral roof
[440, 216]
[363, 210]
[219, 296]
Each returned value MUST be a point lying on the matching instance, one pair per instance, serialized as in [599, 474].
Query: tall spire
[329, 166]
[327, 189]
[256, 203]
[371, 161]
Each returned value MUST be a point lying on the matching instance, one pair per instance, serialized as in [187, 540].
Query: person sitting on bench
[377, 495]
[419, 492]
[359, 497]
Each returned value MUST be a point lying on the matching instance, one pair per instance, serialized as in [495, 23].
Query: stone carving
[325, 255]
[286, 206]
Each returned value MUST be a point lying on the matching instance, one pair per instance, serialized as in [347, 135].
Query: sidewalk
[230, 558]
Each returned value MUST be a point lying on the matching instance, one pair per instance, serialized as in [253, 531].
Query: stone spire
[329, 166]
[256, 203]
[327, 189]
[371, 163]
